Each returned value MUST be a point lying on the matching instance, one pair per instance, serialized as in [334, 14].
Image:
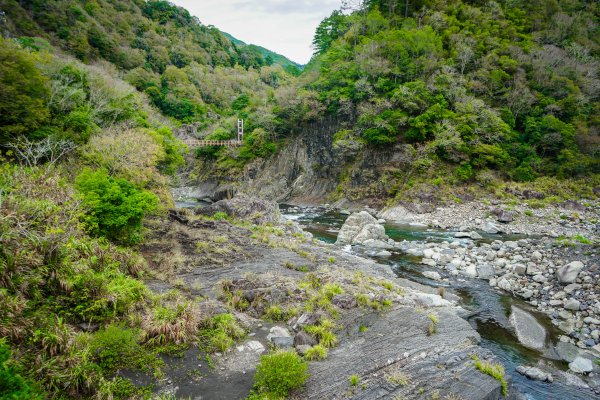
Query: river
[489, 308]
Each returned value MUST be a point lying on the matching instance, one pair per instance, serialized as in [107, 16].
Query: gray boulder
[490, 227]
[567, 351]
[485, 271]
[506, 216]
[304, 339]
[534, 373]
[362, 228]
[432, 275]
[572, 305]
[581, 365]
[569, 272]
[280, 337]
[529, 332]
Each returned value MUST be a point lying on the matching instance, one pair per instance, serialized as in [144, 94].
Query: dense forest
[91, 91]
[492, 90]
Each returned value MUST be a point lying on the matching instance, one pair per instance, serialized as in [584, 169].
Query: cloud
[284, 26]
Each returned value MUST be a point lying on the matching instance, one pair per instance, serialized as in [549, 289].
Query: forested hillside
[479, 91]
[90, 92]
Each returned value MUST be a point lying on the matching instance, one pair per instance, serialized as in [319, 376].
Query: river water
[490, 309]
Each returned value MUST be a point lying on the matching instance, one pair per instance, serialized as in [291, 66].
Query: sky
[283, 26]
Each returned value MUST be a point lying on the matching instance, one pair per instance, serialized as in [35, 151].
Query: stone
[362, 228]
[344, 301]
[519, 269]
[567, 351]
[534, 373]
[428, 253]
[572, 305]
[462, 235]
[569, 272]
[255, 210]
[303, 338]
[88, 326]
[506, 216]
[475, 236]
[536, 255]
[432, 275]
[564, 314]
[431, 300]
[428, 261]
[253, 345]
[491, 228]
[485, 271]
[581, 365]
[529, 331]
[306, 319]
[539, 278]
[470, 270]
[590, 320]
[303, 349]
[527, 294]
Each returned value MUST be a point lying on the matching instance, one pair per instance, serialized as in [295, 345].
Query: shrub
[220, 332]
[12, 385]
[115, 347]
[315, 353]
[280, 372]
[115, 208]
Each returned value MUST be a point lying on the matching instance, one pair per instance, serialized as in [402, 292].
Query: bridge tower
[240, 130]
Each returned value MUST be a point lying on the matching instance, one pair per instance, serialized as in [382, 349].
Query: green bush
[114, 207]
[12, 385]
[280, 372]
[116, 346]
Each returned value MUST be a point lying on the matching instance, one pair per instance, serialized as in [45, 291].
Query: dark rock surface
[247, 208]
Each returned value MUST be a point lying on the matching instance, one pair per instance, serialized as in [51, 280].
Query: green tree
[23, 92]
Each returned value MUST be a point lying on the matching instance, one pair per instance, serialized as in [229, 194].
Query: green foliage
[354, 380]
[173, 149]
[316, 353]
[13, 386]
[280, 372]
[116, 347]
[23, 104]
[496, 371]
[220, 333]
[115, 208]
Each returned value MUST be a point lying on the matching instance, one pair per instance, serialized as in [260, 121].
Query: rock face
[362, 228]
[247, 208]
[376, 358]
[569, 272]
[529, 332]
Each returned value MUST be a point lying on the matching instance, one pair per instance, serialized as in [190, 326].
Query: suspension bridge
[211, 142]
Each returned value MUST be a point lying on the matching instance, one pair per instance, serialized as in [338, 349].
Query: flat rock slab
[406, 349]
[529, 331]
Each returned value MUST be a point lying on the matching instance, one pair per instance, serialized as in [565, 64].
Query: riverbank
[397, 340]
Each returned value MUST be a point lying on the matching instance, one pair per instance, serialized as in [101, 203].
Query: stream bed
[489, 308]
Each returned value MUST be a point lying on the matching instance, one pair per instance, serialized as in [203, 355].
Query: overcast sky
[283, 26]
